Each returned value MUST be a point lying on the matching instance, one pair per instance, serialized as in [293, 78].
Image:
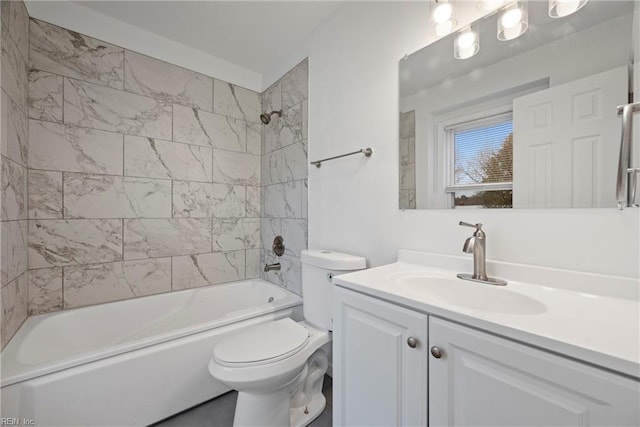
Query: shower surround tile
[202, 200]
[252, 263]
[294, 85]
[199, 127]
[45, 290]
[98, 107]
[14, 190]
[99, 283]
[235, 233]
[45, 96]
[235, 101]
[76, 241]
[408, 176]
[253, 202]
[230, 134]
[269, 229]
[13, 253]
[407, 151]
[408, 124]
[103, 196]
[14, 305]
[296, 232]
[291, 273]
[285, 130]
[271, 99]
[286, 164]
[407, 199]
[254, 138]
[283, 200]
[14, 130]
[155, 158]
[284, 176]
[155, 238]
[14, 70]
[230, 167]
[44, 194]
[207, 269]
[67, 53]
[16, 19]
[59, 147]
[159, 79]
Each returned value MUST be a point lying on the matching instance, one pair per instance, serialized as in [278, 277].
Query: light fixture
[489, 5]
[466, 44]
[442, 12]
[443, 20]
[562, 8]
[513, 21]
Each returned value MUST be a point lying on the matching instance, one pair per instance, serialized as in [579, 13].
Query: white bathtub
[130, 362]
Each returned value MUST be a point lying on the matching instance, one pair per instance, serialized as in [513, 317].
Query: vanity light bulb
[442, 13]
[514, 22]
[562, 8]
[511, 18]
[466, 40]
[466, 44]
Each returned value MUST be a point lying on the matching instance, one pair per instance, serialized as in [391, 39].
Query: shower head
[266, 117]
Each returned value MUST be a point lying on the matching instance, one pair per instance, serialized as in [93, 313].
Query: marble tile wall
[408, 160]
[14, 42]
[144, 177]
[284, 176]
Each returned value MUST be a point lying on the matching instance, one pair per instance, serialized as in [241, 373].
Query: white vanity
[414, 345]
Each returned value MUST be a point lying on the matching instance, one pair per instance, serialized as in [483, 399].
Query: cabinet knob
[436, 352]
[412, 342]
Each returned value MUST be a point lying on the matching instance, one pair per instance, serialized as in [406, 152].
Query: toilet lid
[262, 342]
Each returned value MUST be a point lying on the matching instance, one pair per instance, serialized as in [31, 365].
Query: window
[481, 162]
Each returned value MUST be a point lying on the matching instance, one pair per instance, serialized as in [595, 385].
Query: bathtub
[130, 362]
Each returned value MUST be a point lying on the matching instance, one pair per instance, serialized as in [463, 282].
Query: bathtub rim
[289, 301]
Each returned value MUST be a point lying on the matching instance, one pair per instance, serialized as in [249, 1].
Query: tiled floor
[218, 412]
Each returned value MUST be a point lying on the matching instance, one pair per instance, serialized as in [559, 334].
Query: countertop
[572, 320]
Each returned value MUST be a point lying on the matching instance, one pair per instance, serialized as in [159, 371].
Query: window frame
[468, 122]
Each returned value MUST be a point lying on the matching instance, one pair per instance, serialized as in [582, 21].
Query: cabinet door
[484, 380]
[378, 378]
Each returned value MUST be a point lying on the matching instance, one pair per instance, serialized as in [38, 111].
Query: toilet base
[295, 404]
[304, 415]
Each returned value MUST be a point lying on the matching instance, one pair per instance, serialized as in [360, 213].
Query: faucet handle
[477, 226]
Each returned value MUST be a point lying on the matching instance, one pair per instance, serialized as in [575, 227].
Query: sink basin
[470, 295]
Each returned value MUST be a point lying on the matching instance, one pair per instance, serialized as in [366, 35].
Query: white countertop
[572, 319]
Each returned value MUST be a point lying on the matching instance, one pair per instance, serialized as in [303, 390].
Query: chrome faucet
[476, 245]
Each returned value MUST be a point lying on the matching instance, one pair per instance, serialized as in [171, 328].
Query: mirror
[526, 123]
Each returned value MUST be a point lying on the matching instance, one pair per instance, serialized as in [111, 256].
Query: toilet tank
[318, 268]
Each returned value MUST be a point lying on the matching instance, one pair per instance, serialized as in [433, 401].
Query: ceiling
[252, 34]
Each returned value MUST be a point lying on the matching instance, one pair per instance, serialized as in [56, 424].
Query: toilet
[278, 367]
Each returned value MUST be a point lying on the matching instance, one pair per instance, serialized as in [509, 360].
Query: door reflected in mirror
[529, 122]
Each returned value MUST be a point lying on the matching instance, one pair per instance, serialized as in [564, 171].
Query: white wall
[353, 103]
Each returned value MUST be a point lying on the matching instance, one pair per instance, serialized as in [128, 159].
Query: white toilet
[278, 367]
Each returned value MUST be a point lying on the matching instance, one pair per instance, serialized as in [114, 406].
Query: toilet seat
[262, 344]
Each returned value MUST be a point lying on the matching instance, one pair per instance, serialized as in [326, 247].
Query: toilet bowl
[278, 367]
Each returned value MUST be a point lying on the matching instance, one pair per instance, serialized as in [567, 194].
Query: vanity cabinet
[379, 364]
[473, 378]
[483, 380]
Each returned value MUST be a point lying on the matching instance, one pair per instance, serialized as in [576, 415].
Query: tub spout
[269, 267]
